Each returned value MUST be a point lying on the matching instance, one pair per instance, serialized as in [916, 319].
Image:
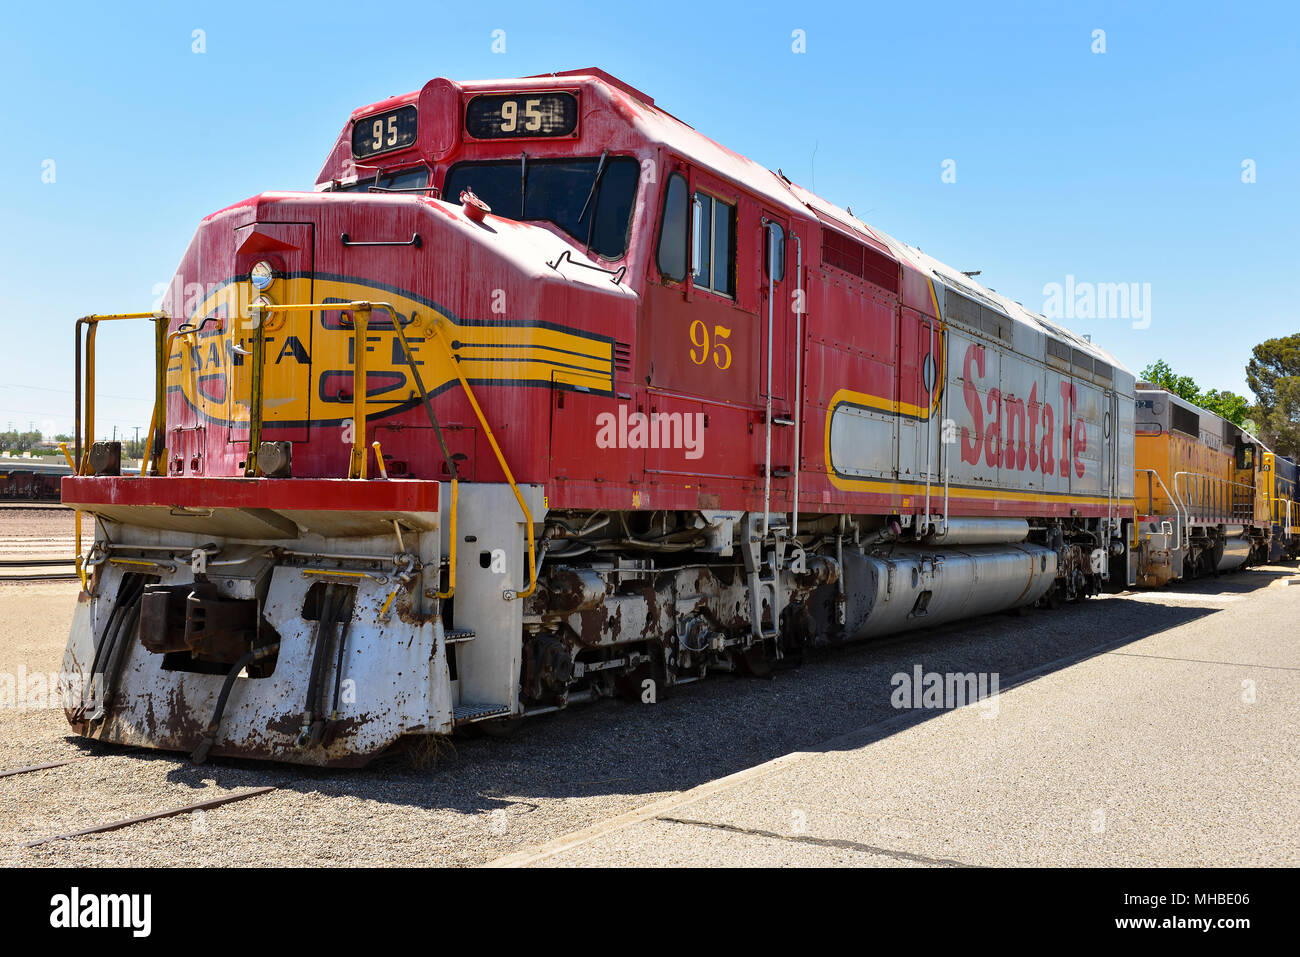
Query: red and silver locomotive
[543, 396]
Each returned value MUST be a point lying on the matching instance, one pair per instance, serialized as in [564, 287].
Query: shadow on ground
[709, 729]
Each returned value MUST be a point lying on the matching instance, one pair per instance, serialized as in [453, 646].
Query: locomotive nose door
[287, 390]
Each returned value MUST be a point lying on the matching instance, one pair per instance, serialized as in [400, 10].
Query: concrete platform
[1178, 749]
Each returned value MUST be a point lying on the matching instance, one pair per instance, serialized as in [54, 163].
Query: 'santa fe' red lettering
[970, 448]
[1011, 440]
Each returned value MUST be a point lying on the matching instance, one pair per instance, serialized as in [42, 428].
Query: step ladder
[467, 713]
[764, 559]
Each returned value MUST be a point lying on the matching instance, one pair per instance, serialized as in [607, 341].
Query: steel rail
[154, 816]
[42, 767]
[44, 577]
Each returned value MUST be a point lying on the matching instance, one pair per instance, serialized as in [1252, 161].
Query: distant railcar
[31, 480]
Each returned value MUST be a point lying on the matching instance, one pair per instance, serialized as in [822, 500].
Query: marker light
[261, 275]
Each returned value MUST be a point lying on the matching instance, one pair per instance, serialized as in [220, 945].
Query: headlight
[261, 275]
[270, 320]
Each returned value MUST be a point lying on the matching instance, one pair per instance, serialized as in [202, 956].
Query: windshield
[558, 192]
[413, 179]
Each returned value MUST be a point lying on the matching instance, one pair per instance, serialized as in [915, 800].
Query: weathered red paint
[857, 333]
[305, 494]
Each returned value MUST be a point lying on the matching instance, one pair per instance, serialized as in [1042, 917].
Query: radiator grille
[859, 260]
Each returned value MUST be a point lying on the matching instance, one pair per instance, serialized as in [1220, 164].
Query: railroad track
[117, 825]
[34, 558]
[70, 575]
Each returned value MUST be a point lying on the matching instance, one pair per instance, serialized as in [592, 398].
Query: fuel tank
[1236, 548]
[979, 531]
[912, 587]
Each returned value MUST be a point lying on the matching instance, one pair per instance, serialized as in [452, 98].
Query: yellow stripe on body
[494, 351]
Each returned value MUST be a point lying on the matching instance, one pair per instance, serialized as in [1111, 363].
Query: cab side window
[671, 253]
[713, 234]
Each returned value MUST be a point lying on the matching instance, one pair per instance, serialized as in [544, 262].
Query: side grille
[1185, 421]
[963, 309]
[858, 260]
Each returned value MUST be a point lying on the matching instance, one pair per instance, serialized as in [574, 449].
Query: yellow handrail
[85, 419]
[359, 458]
[496, 449]
[358, 461]
[451, 537]
[152, 463]
[93, 322]
[63, 447]
[361, 311]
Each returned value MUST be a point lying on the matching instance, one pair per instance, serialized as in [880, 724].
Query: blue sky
[1122, 166]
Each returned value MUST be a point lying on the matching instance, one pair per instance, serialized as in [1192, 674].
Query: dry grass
[424, 752]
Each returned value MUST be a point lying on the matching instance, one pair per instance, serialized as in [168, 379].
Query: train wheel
[753, 662]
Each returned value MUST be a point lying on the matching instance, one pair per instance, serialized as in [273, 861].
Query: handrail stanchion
[451, 532]
[91, 334]
[257, 315]
[156, 440]
[360, 326]
[63, 447]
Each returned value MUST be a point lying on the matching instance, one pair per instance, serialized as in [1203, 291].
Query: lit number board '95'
[382, 132]
[520, 115]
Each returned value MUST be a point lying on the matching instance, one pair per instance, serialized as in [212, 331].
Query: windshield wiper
[595, 183]
[523, 186]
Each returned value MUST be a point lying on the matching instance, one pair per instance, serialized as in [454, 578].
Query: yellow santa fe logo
[307, 378]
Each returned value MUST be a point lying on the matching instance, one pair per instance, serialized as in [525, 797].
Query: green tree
[1273, 374]
[15, 441]
[1235, 408]
[1161, 376]
[1270, 361]
[1228, 404]
[1280, 428]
